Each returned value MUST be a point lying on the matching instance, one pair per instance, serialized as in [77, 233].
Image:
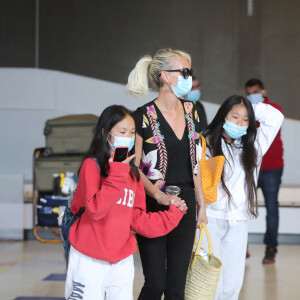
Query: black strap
[96, 161]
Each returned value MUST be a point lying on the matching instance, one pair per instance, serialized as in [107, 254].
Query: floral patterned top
[157, 147]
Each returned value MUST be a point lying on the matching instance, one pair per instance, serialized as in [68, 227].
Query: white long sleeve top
[270, 122]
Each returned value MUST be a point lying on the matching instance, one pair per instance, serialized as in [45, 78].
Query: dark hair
[99, 147]
[214, 135]
[253, 82]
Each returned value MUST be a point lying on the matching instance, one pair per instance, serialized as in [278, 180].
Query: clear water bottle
[173, 190]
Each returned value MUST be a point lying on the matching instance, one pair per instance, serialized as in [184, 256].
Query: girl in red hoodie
[102, 243]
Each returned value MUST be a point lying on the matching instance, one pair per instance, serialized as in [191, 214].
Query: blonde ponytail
[137, 85]
[150, 68]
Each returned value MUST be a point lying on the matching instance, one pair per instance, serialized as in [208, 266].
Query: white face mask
[255, 98]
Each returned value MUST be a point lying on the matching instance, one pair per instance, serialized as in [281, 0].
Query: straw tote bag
[202, 277]
[211, 171]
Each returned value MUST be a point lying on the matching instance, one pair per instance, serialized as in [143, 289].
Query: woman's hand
[165, 199]
[181, 204]
[201, 216]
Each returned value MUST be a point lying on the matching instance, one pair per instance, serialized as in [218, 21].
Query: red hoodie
[113, 208]
[273, 159]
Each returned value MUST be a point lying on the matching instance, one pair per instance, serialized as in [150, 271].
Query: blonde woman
[166, 142]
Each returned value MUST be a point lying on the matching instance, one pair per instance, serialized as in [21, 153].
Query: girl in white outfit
[233, 133]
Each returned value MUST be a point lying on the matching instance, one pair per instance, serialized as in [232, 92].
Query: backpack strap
[96, 161]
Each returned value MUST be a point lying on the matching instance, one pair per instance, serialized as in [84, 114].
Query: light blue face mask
[233, 130]
[255, 98]
[193, 95]
[183, 86]
[121, 141]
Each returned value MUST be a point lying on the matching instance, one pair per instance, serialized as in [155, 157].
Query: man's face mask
[255, 98]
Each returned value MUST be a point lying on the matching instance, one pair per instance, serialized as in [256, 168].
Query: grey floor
[24, 265]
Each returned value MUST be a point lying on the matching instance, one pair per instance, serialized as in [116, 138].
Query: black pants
[165, 259]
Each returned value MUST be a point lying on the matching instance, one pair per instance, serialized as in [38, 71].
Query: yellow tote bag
[211, 171]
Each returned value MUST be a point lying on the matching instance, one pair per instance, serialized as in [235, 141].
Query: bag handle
[203, 147]
[202, 228]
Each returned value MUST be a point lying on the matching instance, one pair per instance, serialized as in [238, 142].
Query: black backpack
[68, 220]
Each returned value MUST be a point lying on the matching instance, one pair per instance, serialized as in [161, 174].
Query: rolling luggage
[70, 134]
[46, 167]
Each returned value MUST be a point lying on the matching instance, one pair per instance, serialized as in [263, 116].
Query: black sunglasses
[186, 72]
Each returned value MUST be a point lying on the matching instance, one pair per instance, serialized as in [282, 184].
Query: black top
[165, 158]
[179, 169]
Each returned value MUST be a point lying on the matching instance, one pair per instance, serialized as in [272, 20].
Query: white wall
[11, 207]
[289, 222]
[28, 97]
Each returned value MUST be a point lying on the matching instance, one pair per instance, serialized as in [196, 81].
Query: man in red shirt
[270, 173]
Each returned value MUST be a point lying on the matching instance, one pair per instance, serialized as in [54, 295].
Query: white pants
[92, 279]
[229, 244]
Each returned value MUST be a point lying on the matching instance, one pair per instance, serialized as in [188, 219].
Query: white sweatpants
[92, 279]
[229, 244]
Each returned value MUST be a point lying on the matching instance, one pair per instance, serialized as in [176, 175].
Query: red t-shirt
[114, 206]
[273, 159]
